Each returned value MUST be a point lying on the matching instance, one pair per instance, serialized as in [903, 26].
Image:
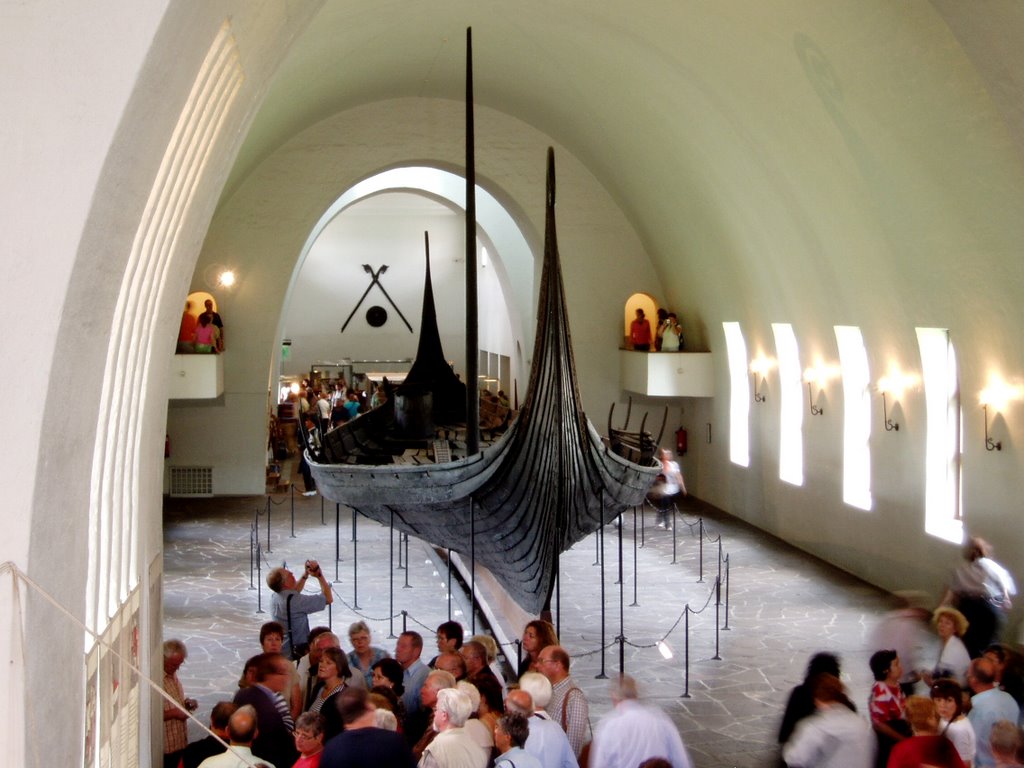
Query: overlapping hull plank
[547, 483]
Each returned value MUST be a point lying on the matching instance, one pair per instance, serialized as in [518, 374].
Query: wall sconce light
[226, 279]
[997, 394]
[817, 375]
[759, 368]
[890, 425]
[894, 384]
[990, 444]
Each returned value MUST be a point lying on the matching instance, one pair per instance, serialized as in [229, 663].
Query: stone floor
[782, 607]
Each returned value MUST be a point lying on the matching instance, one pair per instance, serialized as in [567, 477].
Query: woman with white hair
[453, 747]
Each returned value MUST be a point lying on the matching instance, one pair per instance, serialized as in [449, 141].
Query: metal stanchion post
[636, 572]
[330, 616]
[407, 569]
[686, 651]
[622, 606]
[252, 548]
[726, 627]
[700, 538]
[337, 541]
[449, 559]
[600, 544]
[259, 578]
[643, 524]
[675, 538]
[355, 562]
[322, 510]
[268, 525]
[719, 557]
[293, 510]
[472, 565]
[391, 580]
[405, 616]
[718, 615]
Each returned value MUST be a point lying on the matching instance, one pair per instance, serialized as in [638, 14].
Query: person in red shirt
[640, 332]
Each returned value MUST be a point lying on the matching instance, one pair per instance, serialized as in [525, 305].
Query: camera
[313, 568]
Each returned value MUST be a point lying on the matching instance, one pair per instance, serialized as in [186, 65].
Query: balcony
[196, 377]
[667, 374]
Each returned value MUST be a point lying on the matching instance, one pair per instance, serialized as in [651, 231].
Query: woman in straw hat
[953, 661]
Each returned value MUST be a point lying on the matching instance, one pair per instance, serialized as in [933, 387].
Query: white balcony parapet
[667, 374]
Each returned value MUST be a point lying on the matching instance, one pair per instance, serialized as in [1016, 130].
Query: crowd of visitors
[306, 703]
[963, 710]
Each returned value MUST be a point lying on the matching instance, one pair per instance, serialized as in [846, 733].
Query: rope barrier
[17, 574]
[696, 528]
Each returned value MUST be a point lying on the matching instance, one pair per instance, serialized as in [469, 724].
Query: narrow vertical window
[739, 395]
[791, 405]
[942, 448]
[853, 360]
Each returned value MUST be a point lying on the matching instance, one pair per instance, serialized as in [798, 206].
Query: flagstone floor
[777, 607]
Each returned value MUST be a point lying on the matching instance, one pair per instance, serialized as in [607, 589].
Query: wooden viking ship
[548, 482]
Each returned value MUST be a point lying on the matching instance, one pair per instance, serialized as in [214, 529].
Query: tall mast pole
[472, 317]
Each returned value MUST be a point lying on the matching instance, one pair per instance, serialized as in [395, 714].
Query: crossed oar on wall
[375, 281]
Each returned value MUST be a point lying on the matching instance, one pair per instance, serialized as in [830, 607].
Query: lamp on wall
[817, 376]
[998, 395]
[893, 385]
[990, 444]
[759, 368]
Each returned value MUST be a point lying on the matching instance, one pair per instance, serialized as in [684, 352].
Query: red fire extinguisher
[681, 441]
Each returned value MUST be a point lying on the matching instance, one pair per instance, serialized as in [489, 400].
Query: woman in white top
[948, 698]
[950, 625]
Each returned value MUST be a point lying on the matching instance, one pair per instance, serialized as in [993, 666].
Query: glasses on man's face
[305, 735]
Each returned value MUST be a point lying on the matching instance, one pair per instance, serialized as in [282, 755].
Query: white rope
[17, 573]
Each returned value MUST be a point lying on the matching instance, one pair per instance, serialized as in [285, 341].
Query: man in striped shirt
[568, 706]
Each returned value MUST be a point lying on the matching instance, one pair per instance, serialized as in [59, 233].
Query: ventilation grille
[191, 481]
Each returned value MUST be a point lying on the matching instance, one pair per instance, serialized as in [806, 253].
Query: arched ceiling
[779, 152]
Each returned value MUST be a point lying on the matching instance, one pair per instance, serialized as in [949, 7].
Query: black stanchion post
[600, 544]
[597, 550]
[700, 538]
[330, 616]
[449, 559]
[519, 655]
[718, 615]
[268, 525]
[407, 568]
[675, 537]
[719, 557]
[401, 561]
[252, 548]
[622, 605]
[391, 581]
[643, 523]
[337, 541]
[259, 578]
[686, 651]
[726, 627]
[636, 573]
[472, 565]
[293, 510]
[322, 522]
[355, 562]
[405, 616]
